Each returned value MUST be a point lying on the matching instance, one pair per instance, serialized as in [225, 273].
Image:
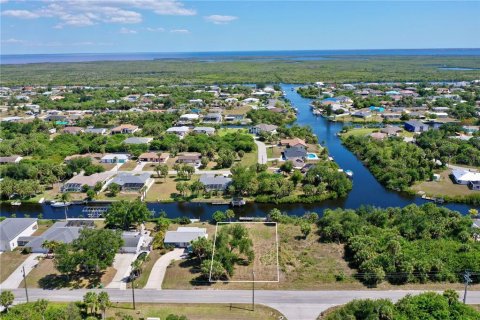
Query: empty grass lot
[443, 187]
[9, 262]
[128, 166]
[45, 276]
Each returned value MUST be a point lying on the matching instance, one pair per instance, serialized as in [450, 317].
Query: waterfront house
[391, 131]
[259, 128]
[115, 158]
[11, 159]
[474, 185]
[215, 182]
[132, 182]
[76, 183]
[189, 117]
[295, 152]
[124, 129]
[204, 130]
[153, 157]
[62, 231]
[133, 242]
[100, 131]
[11, 229]
[184, 236]
[416, 126]
[362, 114]
[137, 140]
[212, 118]
[463, 176]
[293, 142]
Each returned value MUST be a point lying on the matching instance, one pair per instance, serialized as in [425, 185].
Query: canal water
[366, 189]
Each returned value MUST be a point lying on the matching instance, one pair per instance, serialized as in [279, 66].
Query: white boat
[349, 173]
[15, 203]
[60, 204]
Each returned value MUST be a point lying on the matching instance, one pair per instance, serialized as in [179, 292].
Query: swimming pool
[312, 156]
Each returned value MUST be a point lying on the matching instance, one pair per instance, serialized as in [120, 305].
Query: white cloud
[182, 31]
[13, 41]
[219, 19]
[155, 29]
[80, 13]
[127, 31]
[22, 14]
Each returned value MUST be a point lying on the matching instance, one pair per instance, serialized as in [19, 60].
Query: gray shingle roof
[185, 235]
[57, 232]
[128, 178]
[10, 228]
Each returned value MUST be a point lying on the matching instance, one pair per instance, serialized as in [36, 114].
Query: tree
[213, 268]
[41, 306]
[50, 245]
[162, 170]
[218, 216]
[305, 228]
[296, 177]
[113, 189]
[181, 187]
[230, 214]
[6, 299]
[90, 299]
[196, 187]
[91, 194]
[189, 170]
[287, 166]
[103, 302]
[202, 248]
[126, 214]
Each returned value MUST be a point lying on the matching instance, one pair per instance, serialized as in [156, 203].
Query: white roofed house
[132, 182]
[179, 131]
[11, 229]
[138, 140]
[259, 128]
[183, 237]
[215, 182]
[212, 118]
[204, 130]
[462, 176]
[188, 117]
[114, 158]
[76, 183]
[11, 159]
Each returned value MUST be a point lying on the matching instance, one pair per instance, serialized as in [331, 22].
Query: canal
[366, 189]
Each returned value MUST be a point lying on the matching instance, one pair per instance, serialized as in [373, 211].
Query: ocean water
[231, 55]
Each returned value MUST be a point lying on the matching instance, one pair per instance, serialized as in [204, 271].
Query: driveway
[262, 152]
[123, 265]
[160, 267]
[16, 278]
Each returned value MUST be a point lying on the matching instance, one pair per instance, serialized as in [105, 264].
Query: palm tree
[66, 197]
[103, 302]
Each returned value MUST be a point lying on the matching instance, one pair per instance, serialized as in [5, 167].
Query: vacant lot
[9, 262]
[443, 187]
[128, 166]
[45, 276]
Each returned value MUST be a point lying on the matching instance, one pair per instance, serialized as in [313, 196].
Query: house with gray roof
[259, 128]
[212, 118]
[204, 130]
[101, 131]
[62, 231]
[184, 236]
[416, 126]
[76, 183]
[295, 152]
[11, 229]
[131, 182]
[215, 182]
[137, 140]
[133, 242]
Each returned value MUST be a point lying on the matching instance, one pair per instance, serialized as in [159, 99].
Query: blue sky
[80, 26]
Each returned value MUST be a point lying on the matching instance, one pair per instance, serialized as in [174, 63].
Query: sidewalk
[16, 278]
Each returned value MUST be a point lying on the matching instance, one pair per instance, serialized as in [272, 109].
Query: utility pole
[253, 291]
[466, 276]
[133, 293]
[25, 282]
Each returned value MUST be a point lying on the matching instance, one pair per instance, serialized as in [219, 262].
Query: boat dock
[94, 212]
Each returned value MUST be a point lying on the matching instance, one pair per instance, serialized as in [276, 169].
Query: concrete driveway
[16, 278]
[160, 267]
[262, 152]
[123, 265]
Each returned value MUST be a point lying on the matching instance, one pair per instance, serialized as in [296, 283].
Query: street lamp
[253, 291]
[25, 282]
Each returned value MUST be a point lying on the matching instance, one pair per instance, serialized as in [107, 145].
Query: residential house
[191, 158]
[295, 152]
[378, 135]
[205, 130]
[124, 129]
[474, 185]
[391, 131]
[153, 157]
[215, 182]
[134, 242]
[259, 128]
[101, 131]
[115, 158]
[11, 229]
[62, 231]
[72, 130]
[179, 131]
[212, 118]
[362, 114]
[234, 117]
[131, 182]
[184, 236]
[55, 118]
[416, 126]
[76, 183]
[11, 159]
[137, 140]
[188, 117]
[462, 176]
[293, 142]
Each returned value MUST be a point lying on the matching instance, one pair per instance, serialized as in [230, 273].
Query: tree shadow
[76, 281]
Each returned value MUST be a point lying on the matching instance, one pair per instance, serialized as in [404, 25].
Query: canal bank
[366, 189]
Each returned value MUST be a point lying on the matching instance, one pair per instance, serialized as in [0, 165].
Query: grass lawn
[199, 311]
[128, 166]
[249, 158]
[161, 190]
[147, 266]
[223, 131]
[239, 110]
[443, 187]
[120, 196]
[9, 261]
[107, 166]
[274, 152]
[45, 276]
[359, 132]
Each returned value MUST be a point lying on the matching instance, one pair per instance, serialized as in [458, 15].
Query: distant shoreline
[228, 56]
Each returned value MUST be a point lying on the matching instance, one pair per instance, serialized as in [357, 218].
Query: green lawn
[359, 132]
[9, 261]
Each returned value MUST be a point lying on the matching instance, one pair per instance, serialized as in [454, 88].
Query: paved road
[16, 278]
[262, 152]
[157, 274]
[295, 305]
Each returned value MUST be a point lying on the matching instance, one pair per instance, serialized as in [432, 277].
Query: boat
[238, 202]
[60, 204]
[349, 173]
[15, 203]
